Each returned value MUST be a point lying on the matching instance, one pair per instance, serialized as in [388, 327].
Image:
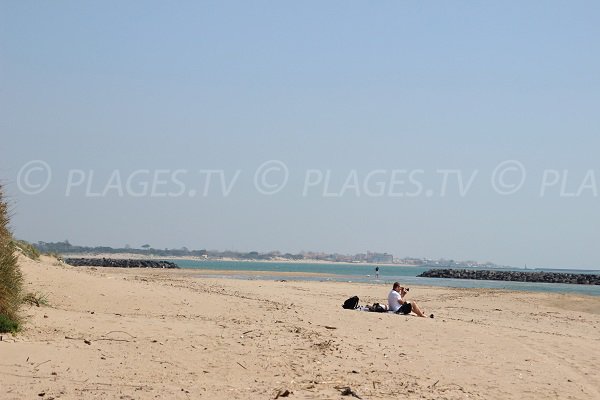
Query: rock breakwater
[118, 263]
[518, 276]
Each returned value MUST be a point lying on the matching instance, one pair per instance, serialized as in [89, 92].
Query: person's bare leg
[416, 309]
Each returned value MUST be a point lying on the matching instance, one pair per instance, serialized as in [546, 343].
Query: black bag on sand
[351, 303]
[376, 307]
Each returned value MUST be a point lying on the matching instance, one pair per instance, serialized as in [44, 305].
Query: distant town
[66, 248]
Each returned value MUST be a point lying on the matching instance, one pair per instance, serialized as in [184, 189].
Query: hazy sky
[154, 119]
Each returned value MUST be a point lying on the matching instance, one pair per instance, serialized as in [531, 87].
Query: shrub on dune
[11, 279]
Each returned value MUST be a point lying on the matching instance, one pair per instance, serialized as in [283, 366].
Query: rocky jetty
[118, 263]
[518, 276]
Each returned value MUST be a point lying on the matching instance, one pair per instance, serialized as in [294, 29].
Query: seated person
[398, 304]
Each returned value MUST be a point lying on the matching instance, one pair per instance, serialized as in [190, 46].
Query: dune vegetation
[11, 279]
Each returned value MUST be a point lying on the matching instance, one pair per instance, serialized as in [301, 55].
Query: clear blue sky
[340, 86]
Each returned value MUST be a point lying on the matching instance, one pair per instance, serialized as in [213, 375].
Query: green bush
[7, 324]
[11, 279]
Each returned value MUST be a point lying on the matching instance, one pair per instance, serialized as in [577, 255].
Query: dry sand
[141, 334]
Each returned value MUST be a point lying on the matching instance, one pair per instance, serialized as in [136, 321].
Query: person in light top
[398, 304]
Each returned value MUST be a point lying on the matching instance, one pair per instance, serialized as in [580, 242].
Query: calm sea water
[388, 274]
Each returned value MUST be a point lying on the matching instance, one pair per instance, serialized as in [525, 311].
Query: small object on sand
[42, 394]
[283, 393]
[87, 342]
[347, 391]
[431, 316]
[42, 363]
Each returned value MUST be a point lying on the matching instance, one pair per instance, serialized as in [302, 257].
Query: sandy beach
[145, 334]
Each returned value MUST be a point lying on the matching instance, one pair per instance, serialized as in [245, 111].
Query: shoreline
[135, 256]
[592, 291]
[366, 276]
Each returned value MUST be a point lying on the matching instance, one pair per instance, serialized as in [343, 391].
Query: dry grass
[36, 299]
[27, 249]
[11, 279]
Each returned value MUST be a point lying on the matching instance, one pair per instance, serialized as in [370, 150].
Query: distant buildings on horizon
[366, 258]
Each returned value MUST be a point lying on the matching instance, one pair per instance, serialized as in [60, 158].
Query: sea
[365, 273]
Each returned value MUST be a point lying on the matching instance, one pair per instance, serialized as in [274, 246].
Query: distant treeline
[62, 248]
[67, 248]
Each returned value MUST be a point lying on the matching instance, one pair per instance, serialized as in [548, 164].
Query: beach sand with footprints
[146, 334]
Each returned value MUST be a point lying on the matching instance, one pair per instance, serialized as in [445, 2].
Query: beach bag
[376, 307]
[351, 303]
